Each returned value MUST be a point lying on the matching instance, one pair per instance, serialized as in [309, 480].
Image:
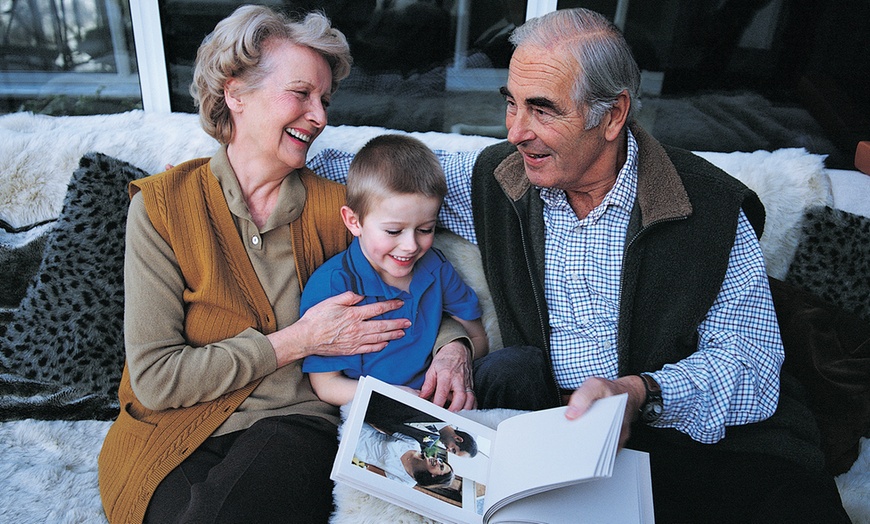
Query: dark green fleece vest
[674, 264]
[676, 254]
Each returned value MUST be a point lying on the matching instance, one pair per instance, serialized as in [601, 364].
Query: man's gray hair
[606, 65]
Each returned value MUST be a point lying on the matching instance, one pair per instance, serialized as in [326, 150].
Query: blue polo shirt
[435, 287]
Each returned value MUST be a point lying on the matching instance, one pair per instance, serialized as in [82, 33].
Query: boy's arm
[477, 333]
[333, 387]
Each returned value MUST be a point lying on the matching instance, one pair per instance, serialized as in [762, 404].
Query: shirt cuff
[452, 331]
[265, 360]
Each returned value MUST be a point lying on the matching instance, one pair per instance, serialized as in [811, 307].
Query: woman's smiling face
[282, 116]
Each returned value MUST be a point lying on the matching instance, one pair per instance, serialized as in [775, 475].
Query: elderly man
[619, 265]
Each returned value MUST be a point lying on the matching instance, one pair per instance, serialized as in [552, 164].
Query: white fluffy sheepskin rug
[48, 473]
[854, 486]
[48, 469]
[38, 154]
[788, 181]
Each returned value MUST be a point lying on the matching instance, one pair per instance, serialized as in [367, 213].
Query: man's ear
[617, 117]
[233, 101]
[351, 221]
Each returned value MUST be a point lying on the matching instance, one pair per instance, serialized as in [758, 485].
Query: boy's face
[397, 231]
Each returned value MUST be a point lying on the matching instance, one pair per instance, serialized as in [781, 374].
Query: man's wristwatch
[652, 407]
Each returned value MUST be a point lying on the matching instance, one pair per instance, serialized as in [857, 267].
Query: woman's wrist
[465, 343]
[285, 349]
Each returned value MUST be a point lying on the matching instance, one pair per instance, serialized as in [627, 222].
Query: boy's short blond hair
[393, 164]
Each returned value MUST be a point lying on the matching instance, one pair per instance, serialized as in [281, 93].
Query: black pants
[697, 484]
[275, 471]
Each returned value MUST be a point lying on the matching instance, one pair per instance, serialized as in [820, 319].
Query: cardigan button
[255, 240]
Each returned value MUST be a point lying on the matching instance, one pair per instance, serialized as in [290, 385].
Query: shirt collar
[291, 195]
[620, 195]
[370, 283]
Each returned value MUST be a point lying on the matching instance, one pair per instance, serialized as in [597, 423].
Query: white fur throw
[788, 182]
[48, 471]
[39, 153]
[48, 468]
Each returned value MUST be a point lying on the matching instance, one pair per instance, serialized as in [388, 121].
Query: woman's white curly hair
[236, 48]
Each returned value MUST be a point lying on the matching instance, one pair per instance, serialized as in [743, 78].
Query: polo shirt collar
[291, 195]
[369, 283]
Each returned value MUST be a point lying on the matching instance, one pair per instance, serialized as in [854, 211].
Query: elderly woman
[218, 422]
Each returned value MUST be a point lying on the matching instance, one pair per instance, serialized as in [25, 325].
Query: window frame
[150, 56]
[124, 83]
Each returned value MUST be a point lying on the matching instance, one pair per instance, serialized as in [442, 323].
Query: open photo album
[533, 467]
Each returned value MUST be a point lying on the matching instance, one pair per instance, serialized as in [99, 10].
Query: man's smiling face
[545, 123]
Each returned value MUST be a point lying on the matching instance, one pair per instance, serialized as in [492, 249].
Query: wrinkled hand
[449, 379]
[337, 327]
[595, 388]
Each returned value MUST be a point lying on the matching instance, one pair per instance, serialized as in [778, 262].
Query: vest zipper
[620, 349]
[538, 294]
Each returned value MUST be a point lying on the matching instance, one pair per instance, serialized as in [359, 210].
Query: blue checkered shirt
[733, 377]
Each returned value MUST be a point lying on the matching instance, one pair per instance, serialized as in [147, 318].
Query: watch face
[653, 406]
[652, 411]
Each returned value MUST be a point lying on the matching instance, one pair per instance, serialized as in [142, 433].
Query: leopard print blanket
[62, 352]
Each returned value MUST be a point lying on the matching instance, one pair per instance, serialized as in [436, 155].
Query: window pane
[411, 71]
[67, 57]
[743, 75]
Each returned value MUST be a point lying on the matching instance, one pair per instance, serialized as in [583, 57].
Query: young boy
[395, 187]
